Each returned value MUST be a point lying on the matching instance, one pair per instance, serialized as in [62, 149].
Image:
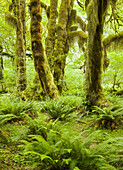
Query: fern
[63, 151]
[108, 117]
[58, 109]
[13, 108]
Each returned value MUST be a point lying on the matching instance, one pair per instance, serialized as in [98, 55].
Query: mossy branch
[81, 23]
[112, 38]
[79, 36]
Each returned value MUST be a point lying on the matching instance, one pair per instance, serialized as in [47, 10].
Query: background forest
[61, 84]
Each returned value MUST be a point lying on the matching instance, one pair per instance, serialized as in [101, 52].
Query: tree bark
[50, 39]
[40, 60]
[21, 60]
[1, 62]
[96, 14]
[62, 47]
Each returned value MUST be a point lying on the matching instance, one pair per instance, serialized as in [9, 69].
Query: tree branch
[112, 38]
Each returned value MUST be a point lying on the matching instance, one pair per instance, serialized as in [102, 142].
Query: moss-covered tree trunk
[23, 19]
[40, 60]
[61, 45]
[50, 39]
[1, 63]
[96, 14]
[21, 60]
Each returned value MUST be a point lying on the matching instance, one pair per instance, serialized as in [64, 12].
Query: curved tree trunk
[40, 60]
[96, 14]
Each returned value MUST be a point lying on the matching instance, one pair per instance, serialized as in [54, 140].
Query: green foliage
[115, 68]
[12, 107]
[68, 152]
[60, 108]
[108, 118]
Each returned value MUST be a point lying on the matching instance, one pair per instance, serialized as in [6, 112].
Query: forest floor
[80, 125]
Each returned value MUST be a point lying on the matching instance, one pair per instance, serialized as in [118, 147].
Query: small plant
[59, 109]
[108, 118]
[13, 108]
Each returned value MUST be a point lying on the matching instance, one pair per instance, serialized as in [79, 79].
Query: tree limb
[112, 38]
[81, 23]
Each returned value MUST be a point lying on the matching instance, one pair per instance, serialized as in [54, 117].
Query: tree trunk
[23, 19]
[1, 63]
[40, 60]
[21, 79]
[96, 14]
[50, 39]
[61, 46]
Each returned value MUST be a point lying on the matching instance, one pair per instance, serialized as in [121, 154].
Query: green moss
[40, 60]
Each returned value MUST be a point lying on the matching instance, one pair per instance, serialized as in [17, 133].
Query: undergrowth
[36, 138]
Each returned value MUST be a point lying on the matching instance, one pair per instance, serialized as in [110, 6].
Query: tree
[40, 59]
[21, 61]
[1, 64]
[50, 39]
[96, 11]
[17, 21]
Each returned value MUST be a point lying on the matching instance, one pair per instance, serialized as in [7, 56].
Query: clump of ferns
[12, 109]
[59, 109]
[67, 152]
[109, 118]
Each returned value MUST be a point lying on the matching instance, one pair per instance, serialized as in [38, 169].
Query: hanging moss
[40, 60]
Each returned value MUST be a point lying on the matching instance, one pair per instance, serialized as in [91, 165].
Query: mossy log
[40, 60]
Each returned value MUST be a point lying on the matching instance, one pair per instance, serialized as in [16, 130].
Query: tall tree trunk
[96, 14]
[23, 19]
[50, 39]
[40, 60]
[1, 63]
[60, 53]
[21, 79]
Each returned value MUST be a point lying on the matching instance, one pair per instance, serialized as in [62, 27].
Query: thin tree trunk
[21, 79]
[96, 14]
[60, 53]
[23, 19]
[40, 60]
[1, 62]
